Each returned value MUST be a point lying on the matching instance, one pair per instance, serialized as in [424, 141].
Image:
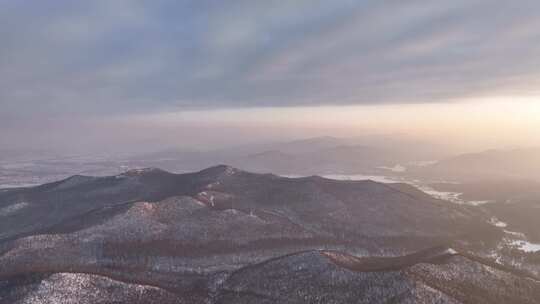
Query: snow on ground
[422, 163]
[19, 185]
[207, 197]
[478, 203]
[513, 233]
[497, 223]
[230, 171]
[444, 195]
[13, 208]
[519, 240]
[526, 245]
[351, 177]
[354, 177]
[454, 197]
[396, 168]
[451, 251]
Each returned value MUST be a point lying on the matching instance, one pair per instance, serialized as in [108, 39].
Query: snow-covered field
[396, 168]
[21, 185]
[12, 208]
[375, 178]
[351, 177]
[525, 245]
[454, 197]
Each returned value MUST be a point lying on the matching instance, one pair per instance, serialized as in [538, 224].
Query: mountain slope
[77, 288]
[356, 208]
[437, 275]
[433, 276]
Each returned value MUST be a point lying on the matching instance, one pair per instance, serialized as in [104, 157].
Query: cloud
[60, 58]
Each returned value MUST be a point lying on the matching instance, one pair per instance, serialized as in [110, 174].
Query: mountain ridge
[411, 272]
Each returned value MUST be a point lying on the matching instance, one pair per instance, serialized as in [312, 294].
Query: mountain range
[317, 155]
[223, 235]
[491, 165]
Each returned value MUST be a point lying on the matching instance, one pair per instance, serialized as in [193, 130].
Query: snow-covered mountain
[223, 235]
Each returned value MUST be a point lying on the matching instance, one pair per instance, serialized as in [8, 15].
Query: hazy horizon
[459, 126]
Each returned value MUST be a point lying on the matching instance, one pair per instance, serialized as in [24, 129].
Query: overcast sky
[79, 65]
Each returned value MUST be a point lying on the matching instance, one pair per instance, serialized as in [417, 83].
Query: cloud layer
[60, 58]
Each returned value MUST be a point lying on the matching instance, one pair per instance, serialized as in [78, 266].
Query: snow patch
[454, 197]
[138, 172]
[514, 233]
[450, 251]
[350, 177]
[207, 197]
[526, 246]
[359, 177]
[396, 168]
[212, 185]
[231, 211]
[13, 208]
[423, 163]
[20, 185]
[198, 202]
[478, 203]
[519, 240]
[230, 171]
[496, 256]
[497, 223]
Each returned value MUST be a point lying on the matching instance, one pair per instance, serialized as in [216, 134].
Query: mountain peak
[74, 181]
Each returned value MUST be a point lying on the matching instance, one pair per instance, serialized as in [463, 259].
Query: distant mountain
[271, 161]
[310, 144]
[222, 235]
[336, 159]
[488, 165]
[317, 155]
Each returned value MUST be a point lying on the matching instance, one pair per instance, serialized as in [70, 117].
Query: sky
[133, 74]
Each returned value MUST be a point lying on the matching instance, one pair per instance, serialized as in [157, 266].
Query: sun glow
[471, 123]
